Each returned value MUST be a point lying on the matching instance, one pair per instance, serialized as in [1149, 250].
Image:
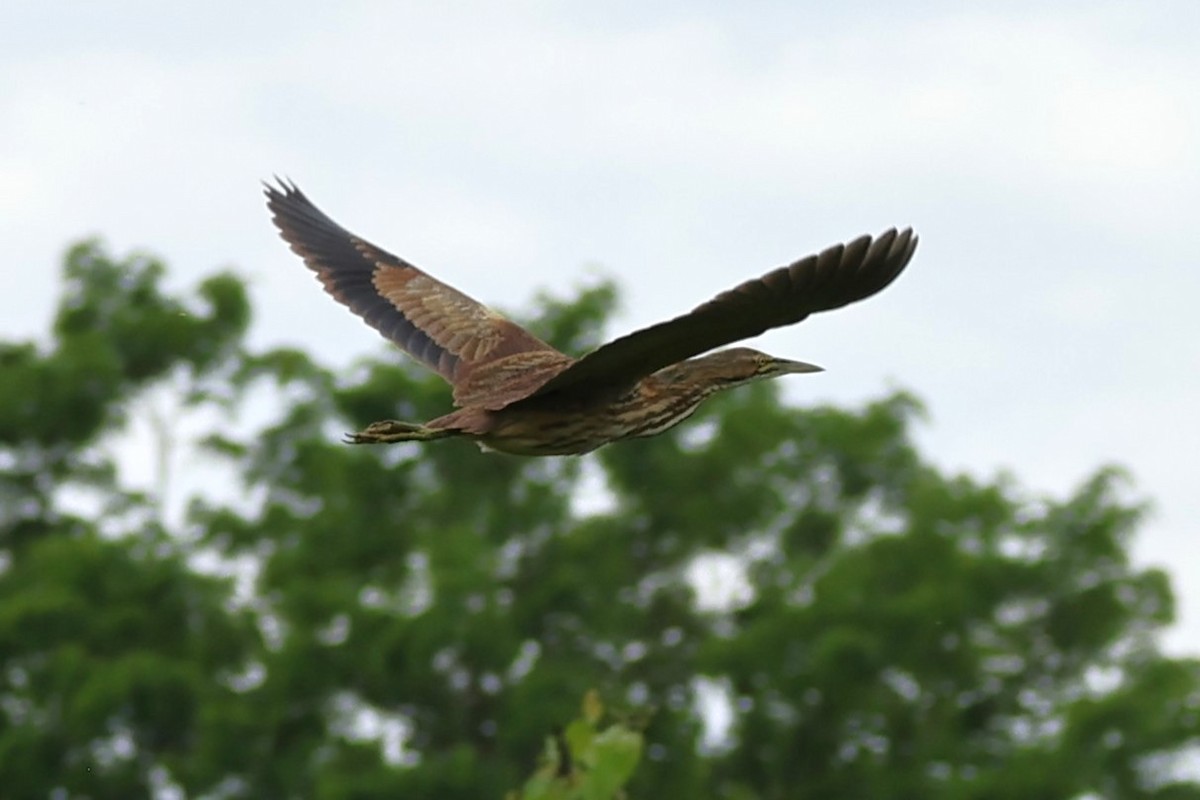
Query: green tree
[422, 620]
[115, 652]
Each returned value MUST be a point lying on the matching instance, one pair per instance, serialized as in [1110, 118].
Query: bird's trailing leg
[393, 430]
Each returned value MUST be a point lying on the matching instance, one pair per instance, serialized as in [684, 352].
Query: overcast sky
[1047, 153]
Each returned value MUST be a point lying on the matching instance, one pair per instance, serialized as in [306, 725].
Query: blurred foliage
[423, 621]
[586, 762]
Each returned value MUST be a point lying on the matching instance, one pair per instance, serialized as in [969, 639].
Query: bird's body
[516, 394]
[654, 404]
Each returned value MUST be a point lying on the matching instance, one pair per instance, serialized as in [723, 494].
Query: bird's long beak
[786, 367]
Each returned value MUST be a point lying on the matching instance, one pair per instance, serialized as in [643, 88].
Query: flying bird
[516, 394]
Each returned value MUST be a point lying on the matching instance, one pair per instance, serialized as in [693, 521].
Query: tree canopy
[408, 621]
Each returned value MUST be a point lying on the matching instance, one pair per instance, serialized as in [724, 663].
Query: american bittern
[517, 394]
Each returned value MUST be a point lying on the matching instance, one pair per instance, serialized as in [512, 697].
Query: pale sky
[1048, 155]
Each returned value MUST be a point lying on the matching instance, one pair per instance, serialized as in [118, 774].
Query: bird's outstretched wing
[434, 323]
[837, 276]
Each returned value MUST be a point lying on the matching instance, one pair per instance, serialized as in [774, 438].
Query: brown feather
[837, 276]
[495, 364]
[504, 381]
[436, 324]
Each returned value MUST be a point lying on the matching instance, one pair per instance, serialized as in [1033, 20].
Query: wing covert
[436, 324]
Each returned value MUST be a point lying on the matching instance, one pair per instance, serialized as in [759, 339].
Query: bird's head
[725, 369]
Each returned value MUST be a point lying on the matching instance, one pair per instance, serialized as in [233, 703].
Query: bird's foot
[392, 430]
